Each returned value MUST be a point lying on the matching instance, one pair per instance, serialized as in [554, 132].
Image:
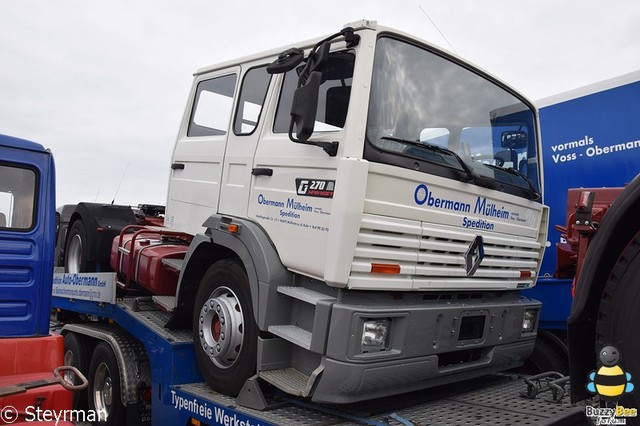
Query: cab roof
[12, 142]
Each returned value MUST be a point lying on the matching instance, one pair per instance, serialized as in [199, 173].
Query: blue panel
[14, 311]
[591, 141]
[555, 296]
[16, 277]
[178, 407]
[15, 248]
[26, 252]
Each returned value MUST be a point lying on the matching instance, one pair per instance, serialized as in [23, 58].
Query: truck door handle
[177, 166]
[262, 172]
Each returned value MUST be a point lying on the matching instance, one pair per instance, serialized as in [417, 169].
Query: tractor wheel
[225, 334]
[76, 249]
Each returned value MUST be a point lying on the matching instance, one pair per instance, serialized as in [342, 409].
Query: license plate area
[472, 327]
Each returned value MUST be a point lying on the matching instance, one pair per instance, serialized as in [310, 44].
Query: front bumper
[430, 342]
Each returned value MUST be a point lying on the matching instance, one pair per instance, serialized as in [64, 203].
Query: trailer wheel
[224, 330]
[76, 354]
[76, 249]
[619, 316]
[104, 386]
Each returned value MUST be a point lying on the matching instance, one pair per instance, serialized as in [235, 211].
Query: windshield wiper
[470, 176]
[533, 193]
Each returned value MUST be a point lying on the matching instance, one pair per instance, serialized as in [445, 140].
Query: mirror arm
[331, 148]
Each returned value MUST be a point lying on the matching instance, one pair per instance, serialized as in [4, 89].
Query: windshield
[432, 114]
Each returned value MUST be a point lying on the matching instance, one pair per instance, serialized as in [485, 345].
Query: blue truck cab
[30, 355]
[27, 237]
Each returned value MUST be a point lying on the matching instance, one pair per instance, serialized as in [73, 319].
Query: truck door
[26, 238]
[196, 168]
[243, 139]
[291, 195]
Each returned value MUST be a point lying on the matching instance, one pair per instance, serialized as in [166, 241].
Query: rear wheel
[619, 315]
[76, 354]
[224, 330]
[104, 387]
[76, 249]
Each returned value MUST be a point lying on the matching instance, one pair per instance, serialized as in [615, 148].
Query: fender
[108, 218]
[618, 227]
[251, 245]
[131, 355]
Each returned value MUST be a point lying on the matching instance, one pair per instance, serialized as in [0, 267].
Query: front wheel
[225, 333]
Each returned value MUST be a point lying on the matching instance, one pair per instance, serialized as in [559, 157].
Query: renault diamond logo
[474, 255]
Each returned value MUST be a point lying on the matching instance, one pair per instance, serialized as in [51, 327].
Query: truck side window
[17, 197]
[212, 107]
[333, 100]
[252, 94]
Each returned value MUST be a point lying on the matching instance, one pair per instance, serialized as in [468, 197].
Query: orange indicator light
[383, 268]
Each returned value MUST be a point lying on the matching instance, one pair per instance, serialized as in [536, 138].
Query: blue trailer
[590, 139]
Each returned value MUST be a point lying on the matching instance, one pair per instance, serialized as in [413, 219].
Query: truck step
[293, 334]
[306, 295]
[289, 380]
[167, 303]
[175, 264]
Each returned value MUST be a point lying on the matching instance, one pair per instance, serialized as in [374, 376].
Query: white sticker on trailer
[92, 286]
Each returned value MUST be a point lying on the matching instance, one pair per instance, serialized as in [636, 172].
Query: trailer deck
[180, 394]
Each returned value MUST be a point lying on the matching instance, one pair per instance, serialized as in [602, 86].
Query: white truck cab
[364, 208]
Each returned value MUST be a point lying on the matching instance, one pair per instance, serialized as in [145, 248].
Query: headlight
[529, 320]
[375, 335]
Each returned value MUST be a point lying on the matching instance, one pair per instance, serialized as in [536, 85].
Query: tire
[225, 334]
[104, 386]
[549, 354]
[619, 316]
[76, 250]
[76, 354]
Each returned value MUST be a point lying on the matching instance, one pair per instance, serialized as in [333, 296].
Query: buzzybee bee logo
[610, 382]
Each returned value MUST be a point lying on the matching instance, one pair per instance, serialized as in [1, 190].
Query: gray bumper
[343, 383]
[429, 343]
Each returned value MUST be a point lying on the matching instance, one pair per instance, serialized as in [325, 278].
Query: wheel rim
[103, 390]
[74, 254]
[69, 359]
[221, 327]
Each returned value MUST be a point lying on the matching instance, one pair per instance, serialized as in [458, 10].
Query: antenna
[121, 179]
[438, 29]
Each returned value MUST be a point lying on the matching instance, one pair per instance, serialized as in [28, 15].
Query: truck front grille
[432, 256]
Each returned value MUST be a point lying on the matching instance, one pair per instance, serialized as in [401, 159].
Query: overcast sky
[103, 84]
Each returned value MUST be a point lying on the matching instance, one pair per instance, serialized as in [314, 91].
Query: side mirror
[514, 139]
[305, 106]
[305, 99]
